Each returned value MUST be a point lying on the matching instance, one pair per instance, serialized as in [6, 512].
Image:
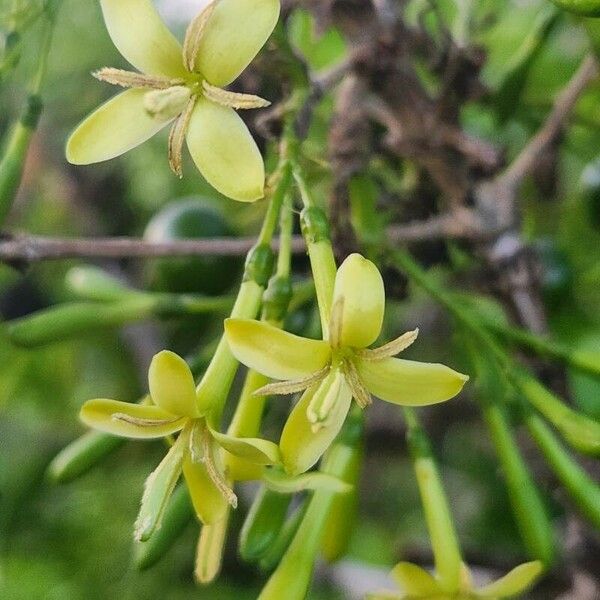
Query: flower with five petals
[418, 584]
[331, 372]
[196, 451]
[183, 86]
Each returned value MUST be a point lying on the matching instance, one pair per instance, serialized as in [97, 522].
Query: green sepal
[271, 558]
[263, 523]
[177, 515]
[314, 225]
[276, 299]
[259, 264]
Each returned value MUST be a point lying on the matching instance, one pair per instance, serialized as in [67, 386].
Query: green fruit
[190, 218]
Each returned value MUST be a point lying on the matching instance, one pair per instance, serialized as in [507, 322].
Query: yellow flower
[334, 371]
[418, 584]
[183, 86]
[196, 451]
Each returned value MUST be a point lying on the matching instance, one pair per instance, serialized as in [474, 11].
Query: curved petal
[302, 444]
[358, 303]
[140, 35]
[210, 505]
[273, 352]
[171, 384]
[129, 420]
[225, 152]
[284, 484]
[410, 383]
[158, 489]
[255, 450]
[235, 32]
[513, 583]
[415, 581]
[112, 129]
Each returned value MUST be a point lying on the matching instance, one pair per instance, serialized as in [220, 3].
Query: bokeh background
[73, 541]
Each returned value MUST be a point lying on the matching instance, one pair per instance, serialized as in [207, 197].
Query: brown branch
[26, 249]
[525, 162]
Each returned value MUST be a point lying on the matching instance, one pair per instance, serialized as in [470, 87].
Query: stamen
[233, 99]
[196, 442]
[142, 422]
[177, 137]
[164, 105]
[336, 322]
[320, 409]
[360, 393]
[291, 387]
[193, 36]
[214, 472]
[131, 79]
[391, 348]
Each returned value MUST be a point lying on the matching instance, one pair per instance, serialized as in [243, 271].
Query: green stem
[583, 490]
[315, 229]
[444, 540]
[580, 359]
[530, 512]
[15, 154]
[213, 388]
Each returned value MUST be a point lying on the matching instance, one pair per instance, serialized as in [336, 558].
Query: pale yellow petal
[415, 581]
[273, 352]
[117, 126]
[235, 32]
[171, 384]
[158, 489]
[301, 446]
[225, 152]
[255, 450]
[410, 383]
[140, 35]
[513, 583]
[360, 298]
[129, 420]
[208, 501]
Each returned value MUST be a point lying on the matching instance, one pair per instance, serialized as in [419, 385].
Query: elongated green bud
[70, 320]
[578, 430]
[315, 229]
[529, 510]
[177, 515]
[276, 299]
[584, 8]
[583, 490]
[93, 283]
[81, 455]
[444, 541]
[259, 265]
[15, 154]
[211, 546]
[291, 578]
[342, 519]
[281, 543]
[530, 513]
[263, 523]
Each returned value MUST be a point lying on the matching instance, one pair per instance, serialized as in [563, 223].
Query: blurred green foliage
[74, 541]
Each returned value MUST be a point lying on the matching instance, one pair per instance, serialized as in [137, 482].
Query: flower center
[164, 105]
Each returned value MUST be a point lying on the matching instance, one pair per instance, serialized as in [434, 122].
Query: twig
[26, 249]
[564, 104]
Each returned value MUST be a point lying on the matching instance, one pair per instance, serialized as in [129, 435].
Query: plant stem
[444, 540]
[315, 229]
